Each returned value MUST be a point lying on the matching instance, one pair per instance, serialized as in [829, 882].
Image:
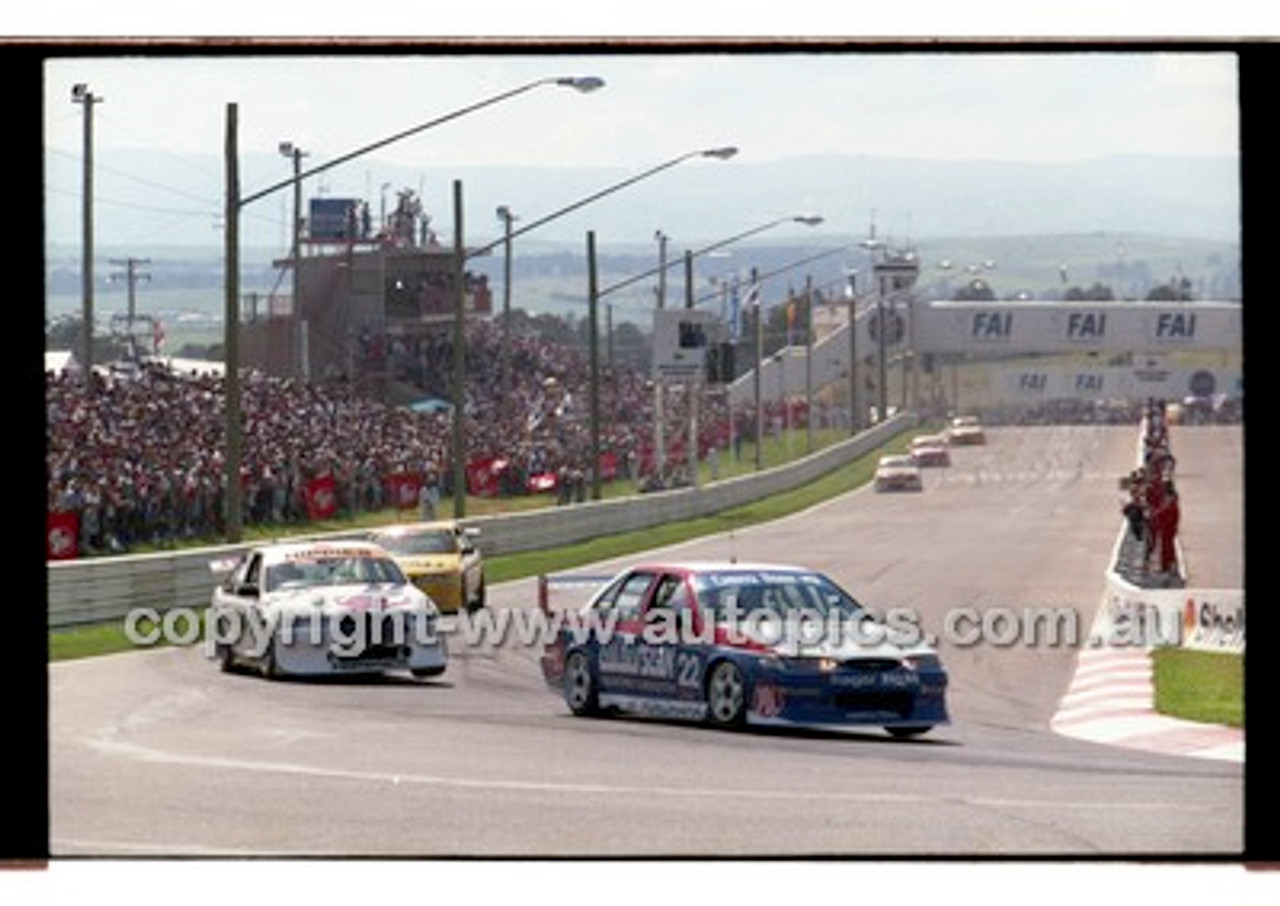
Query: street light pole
[232, 517]
[852, 291]
[808, 361]
[459, 360]
[722, 153]
[659, 389]
[293, 152]
[759, 291]
[507, 377]
[661, 270]
[80, 94]
[593, 325]
[234, 203]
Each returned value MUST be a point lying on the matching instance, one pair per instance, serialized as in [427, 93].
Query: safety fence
[82, 592]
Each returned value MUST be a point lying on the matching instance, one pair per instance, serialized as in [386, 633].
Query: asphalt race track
[158, 753]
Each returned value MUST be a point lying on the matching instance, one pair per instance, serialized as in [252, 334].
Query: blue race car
[734, 644]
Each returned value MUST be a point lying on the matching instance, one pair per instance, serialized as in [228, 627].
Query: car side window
[671, 594]
[627, 594]
[253, 572]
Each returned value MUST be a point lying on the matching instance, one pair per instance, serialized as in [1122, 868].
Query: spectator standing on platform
[1165, 524]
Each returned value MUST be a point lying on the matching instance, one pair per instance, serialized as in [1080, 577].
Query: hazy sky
[1001, 106]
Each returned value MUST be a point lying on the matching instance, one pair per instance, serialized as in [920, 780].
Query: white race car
[898, 473]
[322, 607]
[966, 430]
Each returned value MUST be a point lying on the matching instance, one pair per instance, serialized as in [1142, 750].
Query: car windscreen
[333, 570]
[896, 462]
[731, 596]
[412, 544]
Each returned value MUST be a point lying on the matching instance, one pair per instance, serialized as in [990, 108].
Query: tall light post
[757, 279]
[659, 414]
[235, 202]
[661, 270]
[808, 361]
[851, 296]
[507, 378]
[296, 154]
[461, 255]
[80, 94]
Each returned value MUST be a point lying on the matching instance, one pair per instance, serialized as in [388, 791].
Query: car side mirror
[247, 590]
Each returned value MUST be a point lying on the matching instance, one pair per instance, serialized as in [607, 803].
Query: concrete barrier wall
[100, 590]
[1205, 619]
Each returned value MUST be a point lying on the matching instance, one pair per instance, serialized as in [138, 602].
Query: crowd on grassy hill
[139, 458]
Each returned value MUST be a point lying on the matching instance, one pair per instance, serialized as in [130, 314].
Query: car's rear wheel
[427, 672]
[726, 695]
[580, 692]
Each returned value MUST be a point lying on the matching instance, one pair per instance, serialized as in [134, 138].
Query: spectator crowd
[139, 458]
[1150, 555]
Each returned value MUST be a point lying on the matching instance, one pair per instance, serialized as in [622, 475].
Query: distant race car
[441, 558]
[930, 450]
[322, 607]
[966, 430]
[898, 473]
[728, 644]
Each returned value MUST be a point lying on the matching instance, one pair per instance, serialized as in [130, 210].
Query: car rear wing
[223, 566]
[568, 591]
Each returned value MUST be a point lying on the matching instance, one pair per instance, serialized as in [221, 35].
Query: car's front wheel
[271, 660]
[226, 657]
[477, 601]
[580, 692]
[726, 695]
[427, 672]
[908, 732]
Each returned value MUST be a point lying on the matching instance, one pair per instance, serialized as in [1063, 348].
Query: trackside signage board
[986, 327]
[681, 338]
[1142, 381]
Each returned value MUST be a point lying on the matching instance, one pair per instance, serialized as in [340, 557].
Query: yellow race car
[440, 558]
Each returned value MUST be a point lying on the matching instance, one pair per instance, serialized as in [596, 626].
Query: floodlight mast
[234, 202]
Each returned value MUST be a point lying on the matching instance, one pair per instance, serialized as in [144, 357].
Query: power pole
[80, 94]
[133, 276]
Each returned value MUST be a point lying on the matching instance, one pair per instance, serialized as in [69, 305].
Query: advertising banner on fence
[1140, 381]
[1201, 619]
[1007, 327]
[62, 536]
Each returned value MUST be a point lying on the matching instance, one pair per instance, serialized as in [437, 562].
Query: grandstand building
[362, 297]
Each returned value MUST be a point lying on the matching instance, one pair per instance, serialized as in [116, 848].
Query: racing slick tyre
[908, 732]
[226, 658]
[726, 695]
[427, 672]
[478, 601]
[270, 660]
[580, 692]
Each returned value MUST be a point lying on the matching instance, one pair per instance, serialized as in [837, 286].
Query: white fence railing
[100, 590]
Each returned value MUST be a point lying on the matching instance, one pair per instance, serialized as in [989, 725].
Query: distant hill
[1127, 222]
[147, 199]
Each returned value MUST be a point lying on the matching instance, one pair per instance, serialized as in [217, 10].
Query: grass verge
[1203, 686]
[109, 638]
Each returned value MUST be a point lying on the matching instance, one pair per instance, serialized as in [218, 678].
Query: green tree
[1099, 292]
[975, 291]
[1178, 289]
